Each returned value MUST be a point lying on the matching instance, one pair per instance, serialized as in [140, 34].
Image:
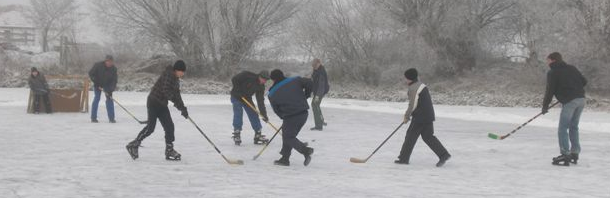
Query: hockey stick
[272, 126]
[122, 107]
[233, 162]
[358, 160]
[498, 137]
[60, 95]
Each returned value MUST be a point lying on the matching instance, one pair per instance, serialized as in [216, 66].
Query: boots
[307, 154]
[170, 153]
[282, 161]
[562, 160]
[443, 159]
[132, 149]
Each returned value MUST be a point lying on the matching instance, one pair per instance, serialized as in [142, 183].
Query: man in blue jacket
[104, 77]
[288, 97]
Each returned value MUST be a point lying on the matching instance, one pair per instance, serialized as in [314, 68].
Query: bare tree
[52, 18]
[216, 34]
[594, 18]
[452, 33]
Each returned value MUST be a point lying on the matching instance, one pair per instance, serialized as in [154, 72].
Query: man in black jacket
[288, 97]
[421, 115]
[40, 88]
[246, 84]
[320, 88]
[104, 77]
[167, 88]
[566, 83]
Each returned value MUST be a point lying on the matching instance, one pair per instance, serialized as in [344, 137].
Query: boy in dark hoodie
[40, 88]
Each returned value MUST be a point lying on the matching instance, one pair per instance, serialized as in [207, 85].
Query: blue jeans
[570, 116]
[96, 102]
[238, 108]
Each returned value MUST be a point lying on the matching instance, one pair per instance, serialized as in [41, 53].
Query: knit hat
[264, 74]
[411, 74]
[180, 65]
[109, 57]
[556, 56]
[277, 75]
[34, 69]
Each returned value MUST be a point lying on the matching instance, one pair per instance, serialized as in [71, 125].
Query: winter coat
[320, 82]
[564, 82]
[38, 84]
[104, 77]
[167, 88]
[245, 84]
[289, 96]
[420, 104]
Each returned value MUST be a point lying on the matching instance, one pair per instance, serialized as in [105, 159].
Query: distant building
[18, 35]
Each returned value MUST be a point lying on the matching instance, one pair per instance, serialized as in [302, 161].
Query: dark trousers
[426, 130]
[290, 129]
[161, 112]
[317, 112]
[46, 101]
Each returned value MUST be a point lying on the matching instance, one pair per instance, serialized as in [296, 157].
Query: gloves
[185, 113]
[265, 118]
[545, 110]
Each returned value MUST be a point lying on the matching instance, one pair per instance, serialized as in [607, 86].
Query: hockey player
[167, 88]
[104, 77]
[421, 114]
[288, 97]
[246, 84]
[567, 84]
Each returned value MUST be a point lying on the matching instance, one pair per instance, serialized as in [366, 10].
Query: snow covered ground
[63, 155]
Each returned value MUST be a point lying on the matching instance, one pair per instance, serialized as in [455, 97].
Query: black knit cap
[411, 74]
[277, 75]
[109, 57]
[34, 69]
[556, 56]
[180, 65]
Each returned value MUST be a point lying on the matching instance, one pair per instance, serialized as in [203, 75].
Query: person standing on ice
[567, 84]
[40, 88]
[246, 84]
[319, 89]
[167, 88]
[288, 97]
[421, 114]
[104, 77]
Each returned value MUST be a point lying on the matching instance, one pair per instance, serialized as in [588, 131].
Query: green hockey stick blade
[493, 136]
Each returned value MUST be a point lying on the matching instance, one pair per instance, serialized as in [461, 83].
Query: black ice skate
[132, 149]
[259, 138]
[562, 160]
[237, 137]
[170, 153]
[574, 158]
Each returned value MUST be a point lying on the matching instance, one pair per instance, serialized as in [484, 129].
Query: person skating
[246, 84]
[40, 88]
[288, 97]
[320, 89]
[566, 83]
[104, 77]
[421, 114]
[167, 88]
